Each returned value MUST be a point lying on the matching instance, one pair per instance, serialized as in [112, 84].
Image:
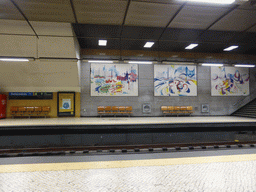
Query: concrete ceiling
[128, 24]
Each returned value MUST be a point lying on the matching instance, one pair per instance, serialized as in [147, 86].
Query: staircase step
[249, 110]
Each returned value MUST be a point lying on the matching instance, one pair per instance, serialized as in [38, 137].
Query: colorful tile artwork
[175, 80]
[229, 81]
[114, 80]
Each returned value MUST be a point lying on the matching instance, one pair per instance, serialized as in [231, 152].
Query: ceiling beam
[24, 17]
[122, 26]
[217, 20]
[126, 11]
[250, 27]
[164, 54]
[73, 9]
[173, 41]
[125, 14]
[175, 15]
[241, 34]
[163, 3]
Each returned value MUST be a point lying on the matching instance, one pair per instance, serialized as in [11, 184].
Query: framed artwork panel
[229, 81]
[175, 80]
[114, 80]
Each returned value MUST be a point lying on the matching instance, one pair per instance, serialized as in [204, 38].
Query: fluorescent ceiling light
[149, 44]
[231, 48]
[141, 62]
[102, 42]
[99, 61]
[191, 46]
[241, 65]
[214, 1]
[212, 64]
[14, 59]
[49, 59]
[178, 63]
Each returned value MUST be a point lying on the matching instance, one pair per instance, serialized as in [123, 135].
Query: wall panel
[60, 47]
[218, 105]
[36, 76]
[18, 46]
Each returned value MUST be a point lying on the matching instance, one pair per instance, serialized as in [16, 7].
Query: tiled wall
[218, 105]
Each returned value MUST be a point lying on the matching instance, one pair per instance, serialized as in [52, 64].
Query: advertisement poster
[66, 104]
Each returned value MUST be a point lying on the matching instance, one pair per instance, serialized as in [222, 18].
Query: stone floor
[221, 172]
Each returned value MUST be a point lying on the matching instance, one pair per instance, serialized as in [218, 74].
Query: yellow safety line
[122, 164]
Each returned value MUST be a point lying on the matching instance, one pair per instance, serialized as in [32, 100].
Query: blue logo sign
[21, 94]
[66, 105]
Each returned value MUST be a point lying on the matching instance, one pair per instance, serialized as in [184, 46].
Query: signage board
[30, 95]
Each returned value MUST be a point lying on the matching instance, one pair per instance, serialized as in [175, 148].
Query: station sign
[30, 95]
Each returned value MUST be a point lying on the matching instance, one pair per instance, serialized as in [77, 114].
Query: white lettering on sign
[3, 102]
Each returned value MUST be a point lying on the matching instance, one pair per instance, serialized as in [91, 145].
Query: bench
[177, 110]
[30, 111]
[114, 110]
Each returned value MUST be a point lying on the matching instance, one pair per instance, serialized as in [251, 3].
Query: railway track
[118, 149]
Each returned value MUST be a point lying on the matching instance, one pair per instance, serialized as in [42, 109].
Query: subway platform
[213, 169]
[120, 132]
[93, 122]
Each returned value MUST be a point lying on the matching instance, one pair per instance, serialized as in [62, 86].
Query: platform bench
[114, 110]
[30, 111]
[177, 110]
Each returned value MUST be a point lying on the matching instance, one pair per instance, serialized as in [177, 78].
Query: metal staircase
[249, 110]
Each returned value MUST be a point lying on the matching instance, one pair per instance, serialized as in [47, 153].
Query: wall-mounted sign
[146, 108]
[21, 94]
[30, 95]
[205, 108]
[66, 104]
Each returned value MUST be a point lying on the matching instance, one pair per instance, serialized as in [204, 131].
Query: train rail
[115, 149]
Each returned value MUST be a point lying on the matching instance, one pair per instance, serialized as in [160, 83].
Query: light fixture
[241, 65]
[231, 48]
[212, 64]
[140, 62]
[149, 44]
[178, 63]
[102, 43]
[99, 61]
[213, 1]
[54, 59]
[191, 46]
[14, 59]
